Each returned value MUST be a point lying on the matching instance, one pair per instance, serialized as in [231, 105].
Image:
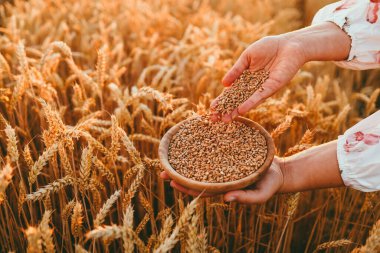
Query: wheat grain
[142, 224]
[41, 162]
[372, 242]
[80, 249]
[195, 242]
[101, 67]
[34, 240]
[77, 220]
[280, 129]
[115, 140]
[127, 225]
[23, 60]
[65, 160]
[333, 244]
[28, 157]
[6, 175]
[11, 143]
[47, 232]
[105, 232]
[144, 138]
[104, 171]
[47, 203]
[135, 184]
[21, 196]
[184, 219]
[53, 187]
[292, 204]
[166, 229]
[67, 210]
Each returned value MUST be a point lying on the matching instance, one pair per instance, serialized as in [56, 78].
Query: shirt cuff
[351, 18]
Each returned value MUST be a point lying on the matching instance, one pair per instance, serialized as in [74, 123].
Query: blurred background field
[88, 88]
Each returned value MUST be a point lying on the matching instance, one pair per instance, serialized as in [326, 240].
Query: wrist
[322, 42]
[286, 176]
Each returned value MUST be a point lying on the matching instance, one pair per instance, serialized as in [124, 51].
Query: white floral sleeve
[360, 20]
[358, 154]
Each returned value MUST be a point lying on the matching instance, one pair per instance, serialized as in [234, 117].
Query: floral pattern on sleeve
[359, 137]
[360, 20]
[358, 153]
[373, 10]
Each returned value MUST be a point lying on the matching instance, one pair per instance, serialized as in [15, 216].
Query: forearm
[323, 42]
[314, 168]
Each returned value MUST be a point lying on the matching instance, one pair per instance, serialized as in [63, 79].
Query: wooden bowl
[215, 187]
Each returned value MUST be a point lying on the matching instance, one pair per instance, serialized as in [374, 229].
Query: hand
[260, 192]
[280, 55]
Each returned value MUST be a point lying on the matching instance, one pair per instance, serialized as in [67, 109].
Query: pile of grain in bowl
[242, 88]
[216, 152]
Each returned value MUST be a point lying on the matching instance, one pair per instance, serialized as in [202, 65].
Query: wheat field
[88, 88]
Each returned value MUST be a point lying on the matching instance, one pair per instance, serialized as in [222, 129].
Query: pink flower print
[355, 138]
[371, 139]
[346, 4]
[377, 56]
[372, 12]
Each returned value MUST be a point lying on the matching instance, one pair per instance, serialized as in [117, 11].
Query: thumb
[241, 64]
[257, 196]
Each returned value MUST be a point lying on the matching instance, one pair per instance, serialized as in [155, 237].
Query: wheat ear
[106, 208]
[184, 219]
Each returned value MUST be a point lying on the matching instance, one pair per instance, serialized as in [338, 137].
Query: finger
[164, 175]
[241, 64]
[226, 118]
[235, 113]
[258, 97]
[257, 196]
[215, 117]
[189, 191]
[214, 103]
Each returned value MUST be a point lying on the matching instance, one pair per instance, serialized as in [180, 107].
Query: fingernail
[230, 198]
[235, 114]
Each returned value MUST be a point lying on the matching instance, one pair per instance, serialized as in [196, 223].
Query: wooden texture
[215, 187]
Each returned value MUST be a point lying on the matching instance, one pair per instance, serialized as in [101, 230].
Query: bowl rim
[209, 187]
